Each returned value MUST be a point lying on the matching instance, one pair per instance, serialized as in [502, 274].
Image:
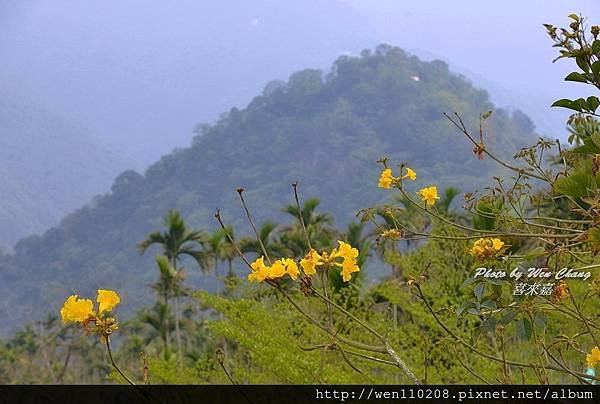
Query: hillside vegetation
[384, 102]
[49, 167]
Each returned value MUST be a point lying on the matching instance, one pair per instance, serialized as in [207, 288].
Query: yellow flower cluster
[311, 262]
[261, 271]
[345, 251]
[82, 310]
[393, 234]
[387, 179]
[593, 358]
[429, 195]
[286, 266]
[486, 247]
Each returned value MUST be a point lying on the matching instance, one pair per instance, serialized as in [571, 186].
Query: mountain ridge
[50, 166]
[325, 130]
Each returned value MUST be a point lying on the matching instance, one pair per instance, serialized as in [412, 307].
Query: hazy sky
[141, 73]
[502, 42]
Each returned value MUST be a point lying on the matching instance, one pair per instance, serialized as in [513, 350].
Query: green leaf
[596, 69]
[489, 325]
[585, 149]
[473, 311]
[592, 103]
[574, 17]
[509, 315]
[595, 139]
[520, 298]
[478, 290]
[590, 145]
[575, 185]
[574, 76]
[463, 307]
[524, 328]
[489, 304]
[469, 281]
[583, 64]
[497, 290]
[581, 103]
[596, 47]
[566, 103]
[499, 282]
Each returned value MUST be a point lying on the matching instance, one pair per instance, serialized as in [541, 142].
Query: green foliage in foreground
[263, 339]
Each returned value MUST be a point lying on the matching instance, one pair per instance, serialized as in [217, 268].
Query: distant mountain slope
[326, 131]
[48, 167]
[156, 70]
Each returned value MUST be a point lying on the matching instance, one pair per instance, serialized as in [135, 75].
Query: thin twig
[112, 361]
[300, 216]
[240, 192]
[230, 238]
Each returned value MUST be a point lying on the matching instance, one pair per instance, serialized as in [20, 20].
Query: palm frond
[153, 238]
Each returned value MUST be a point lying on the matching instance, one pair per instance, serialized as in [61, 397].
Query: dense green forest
[383, 102]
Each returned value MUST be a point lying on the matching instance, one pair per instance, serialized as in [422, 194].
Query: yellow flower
[349, 255]
[76, 310]
[260, 271]
[478, 247]
[593, 358]
[290, 267]
[429, 195]
[82, 311]
[345, 251]
[348, 267]
[258, 264]
[497, 244]
[386, 179]
[107, 300]
[310, 262]
[486, 247]
[477, 251]
[345, 254]
[410, 174]
[277, 270]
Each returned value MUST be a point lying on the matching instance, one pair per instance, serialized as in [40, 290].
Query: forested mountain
[48, 165]
[325, 130]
